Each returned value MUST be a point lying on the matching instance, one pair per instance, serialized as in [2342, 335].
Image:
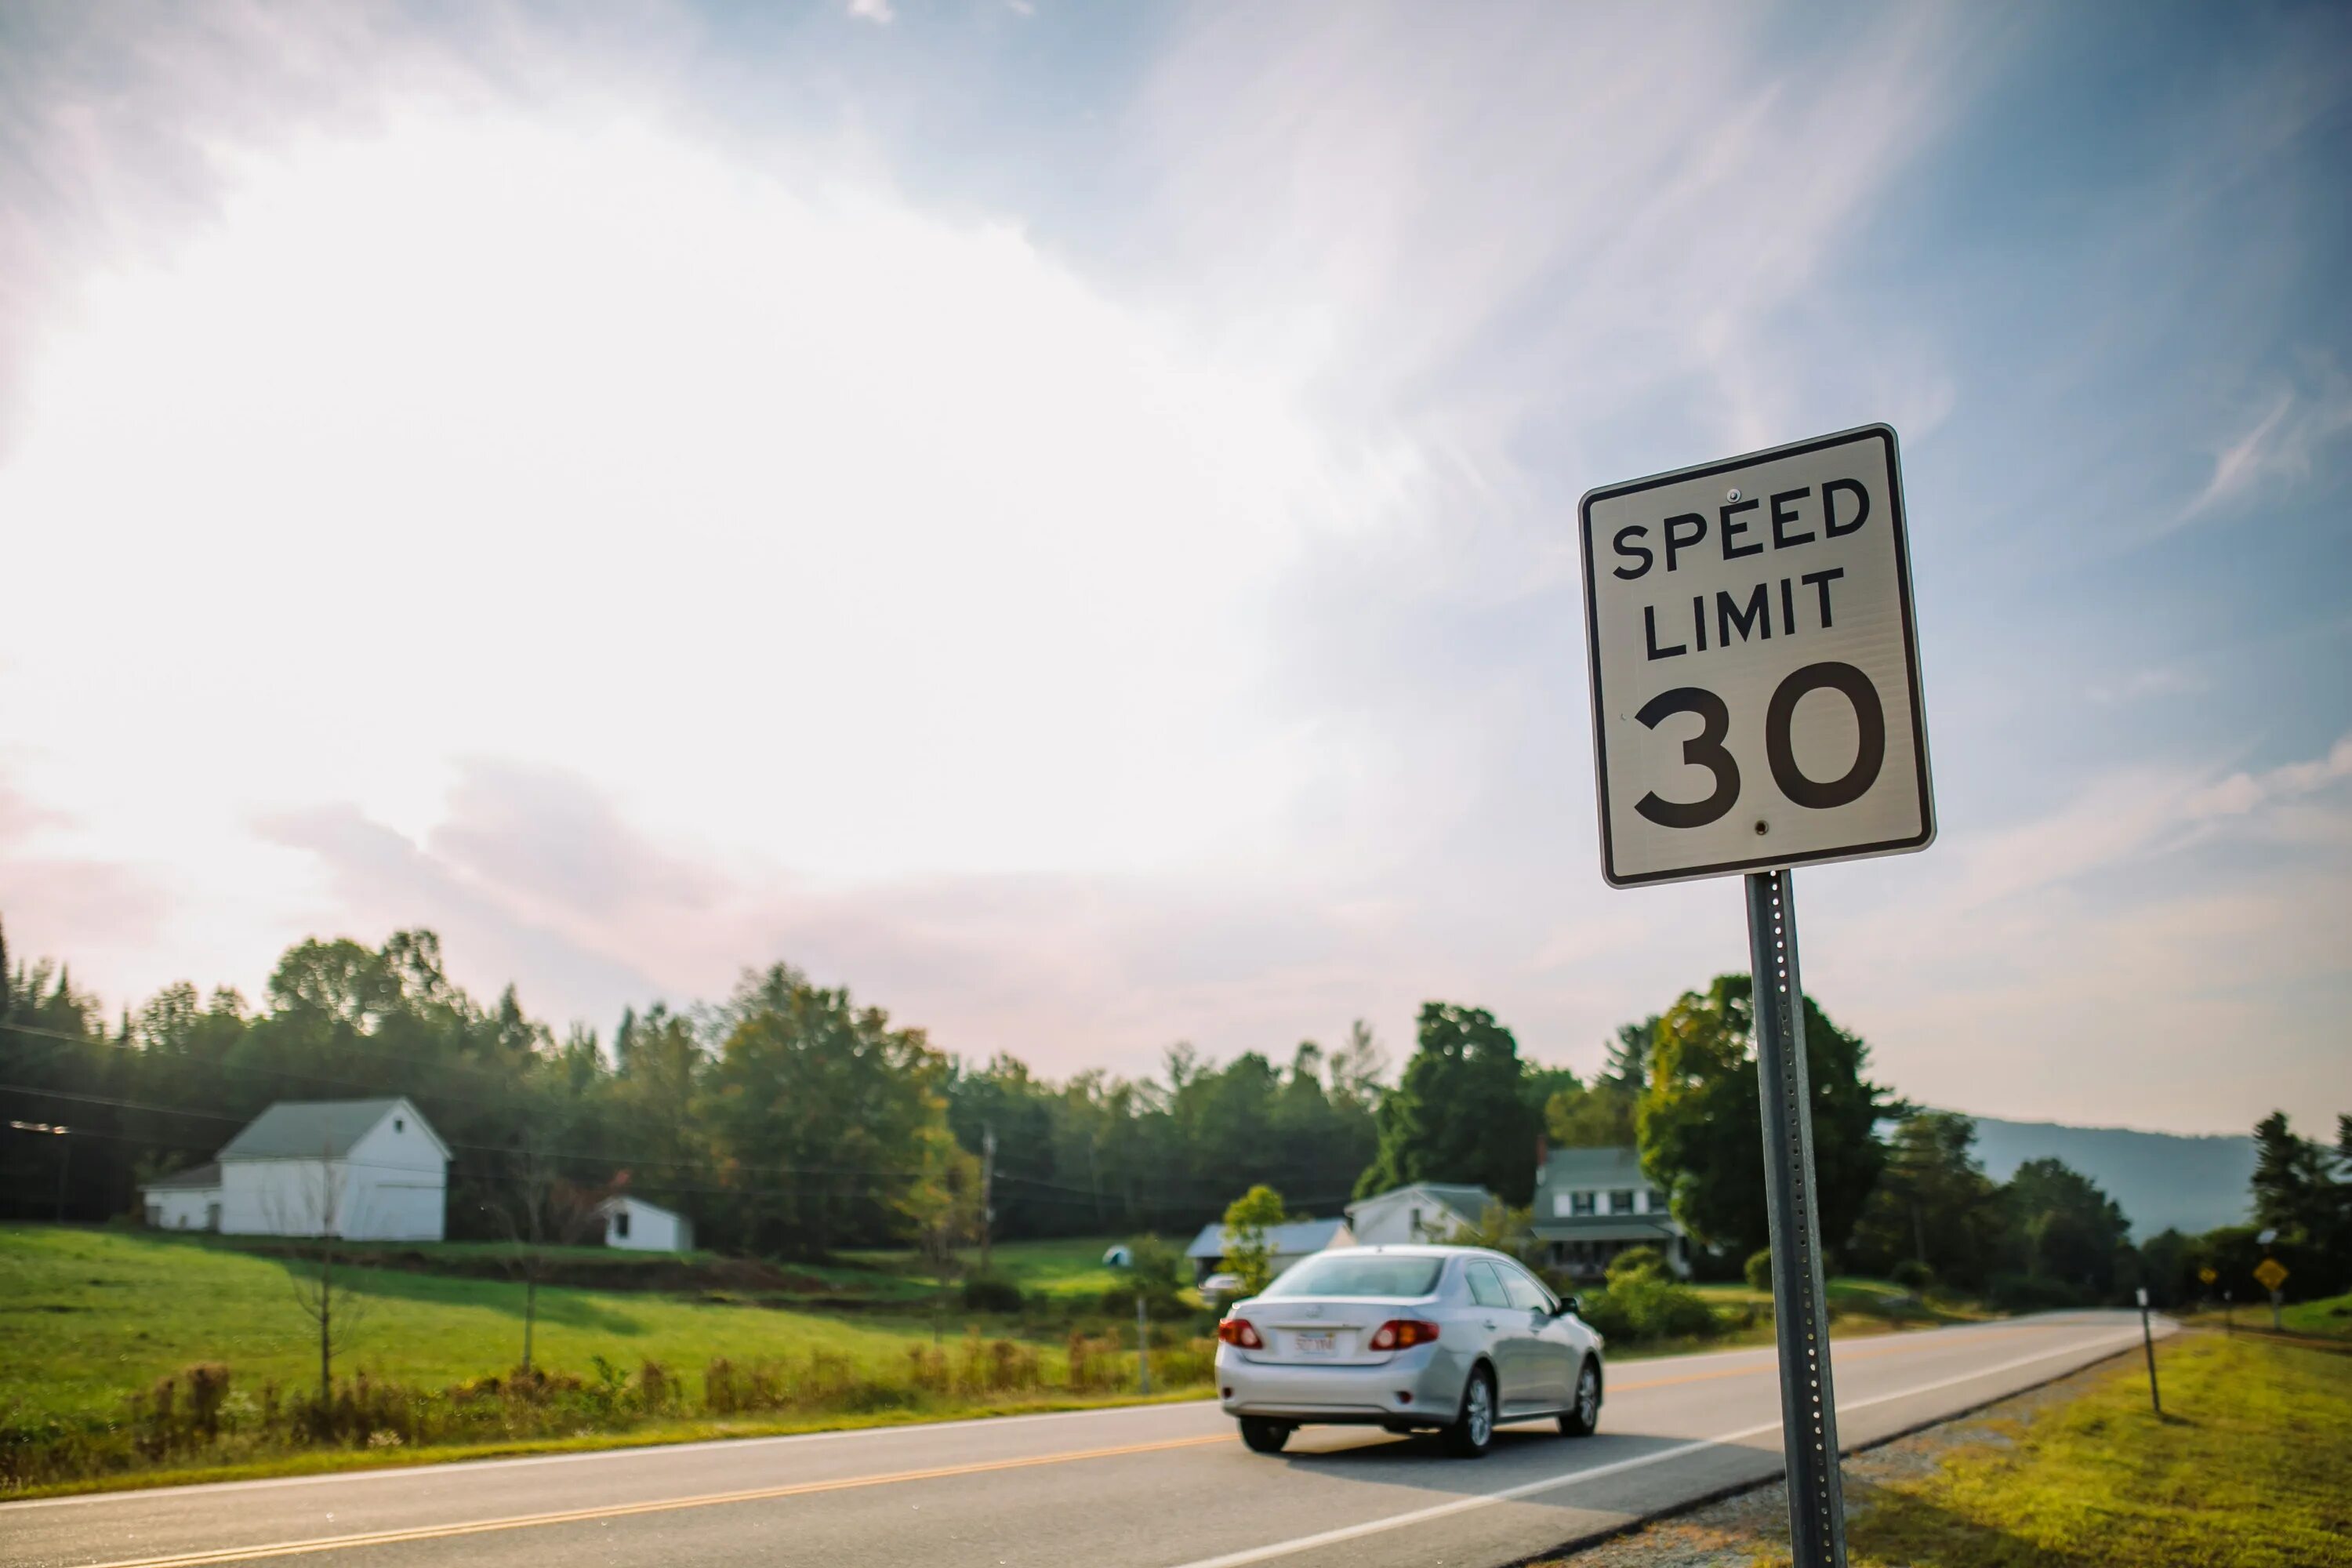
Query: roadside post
[2148, 1338]
[1142, 1347]
[1756, 706]
[2271, 1274]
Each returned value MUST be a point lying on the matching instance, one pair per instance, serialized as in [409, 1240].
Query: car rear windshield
[1335, 1274]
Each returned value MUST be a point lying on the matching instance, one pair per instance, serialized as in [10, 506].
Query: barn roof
[1294, 1239]
[315, 1129]
[1463, 1199]
[195, 1176]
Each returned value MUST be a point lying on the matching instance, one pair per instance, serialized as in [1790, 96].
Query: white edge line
[1529, 1489]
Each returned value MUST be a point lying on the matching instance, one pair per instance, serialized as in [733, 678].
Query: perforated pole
[1799, 1302]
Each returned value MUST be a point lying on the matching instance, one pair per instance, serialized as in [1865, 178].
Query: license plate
[1314, 1344]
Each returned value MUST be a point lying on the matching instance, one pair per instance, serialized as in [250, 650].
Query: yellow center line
[626, 1511]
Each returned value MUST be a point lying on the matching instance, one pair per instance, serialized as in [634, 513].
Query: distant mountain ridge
[2163, 1180]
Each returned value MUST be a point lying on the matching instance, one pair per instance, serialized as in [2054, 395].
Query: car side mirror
[1573, 1307]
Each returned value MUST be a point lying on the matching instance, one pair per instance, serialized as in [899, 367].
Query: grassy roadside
[132, 1359]
[2246, 1468]
[334, 1461]
[88, 1316]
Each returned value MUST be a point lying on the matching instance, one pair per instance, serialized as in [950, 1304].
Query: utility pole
[1142, 1345]
[987, 1190]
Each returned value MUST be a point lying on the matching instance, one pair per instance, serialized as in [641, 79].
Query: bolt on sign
[2270, 1272]
[1755, 665]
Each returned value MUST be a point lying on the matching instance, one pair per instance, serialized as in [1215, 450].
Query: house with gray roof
[1287, 1243]
[364, 1170]
[1593, 1203]
[1417, 1212]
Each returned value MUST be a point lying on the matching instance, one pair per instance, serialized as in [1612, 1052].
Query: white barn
[364, 1170]
[1416, 1213]
[636, 1226]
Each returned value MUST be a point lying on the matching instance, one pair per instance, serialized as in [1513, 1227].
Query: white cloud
[2010, 975]
[583, 449]
[2282, 446]
[879, 12]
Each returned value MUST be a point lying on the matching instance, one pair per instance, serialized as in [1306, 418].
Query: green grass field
[88, 1316]
[2331, 1316]
[2247, 1467]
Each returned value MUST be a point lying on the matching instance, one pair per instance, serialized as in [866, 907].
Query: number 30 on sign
[1755, 664]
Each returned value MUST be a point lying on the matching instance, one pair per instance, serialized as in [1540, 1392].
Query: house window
[400, 1124]
[1621, 1201]
[1657, 1201]
[1581, 1203]
[621, 1223]
[1416, 1222]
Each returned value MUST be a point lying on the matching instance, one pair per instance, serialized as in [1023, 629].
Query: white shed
[636, 1225]
[366, 1170]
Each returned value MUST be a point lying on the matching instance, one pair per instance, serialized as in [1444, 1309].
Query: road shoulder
[2244, 1466]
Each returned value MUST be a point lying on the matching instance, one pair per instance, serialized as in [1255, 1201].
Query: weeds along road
[1159, 1486]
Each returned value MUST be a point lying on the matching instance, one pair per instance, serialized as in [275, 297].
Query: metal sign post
[2148, 1337]
[1799, 1298]
[1756, 705]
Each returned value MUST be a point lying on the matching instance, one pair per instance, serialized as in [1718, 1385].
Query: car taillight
[1240, 1331]
[1403, 1333]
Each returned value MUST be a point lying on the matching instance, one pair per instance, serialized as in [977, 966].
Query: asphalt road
[1165, 1486]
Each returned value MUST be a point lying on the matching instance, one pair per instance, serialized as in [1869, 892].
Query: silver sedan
[1457, 1339]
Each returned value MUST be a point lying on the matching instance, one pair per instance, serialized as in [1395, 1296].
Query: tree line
[789, 1119]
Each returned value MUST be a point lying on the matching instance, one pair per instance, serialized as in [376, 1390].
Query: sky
[1062, 518]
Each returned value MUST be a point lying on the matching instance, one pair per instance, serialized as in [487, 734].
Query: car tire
[1265, 1436]
[1580, 1418]
[1472, 1431]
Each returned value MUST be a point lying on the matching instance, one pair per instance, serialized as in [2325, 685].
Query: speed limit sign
[1755, 665]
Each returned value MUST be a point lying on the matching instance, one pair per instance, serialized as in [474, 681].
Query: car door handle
[1490, 1322]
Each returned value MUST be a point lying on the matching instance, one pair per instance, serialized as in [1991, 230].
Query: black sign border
[1927, 835]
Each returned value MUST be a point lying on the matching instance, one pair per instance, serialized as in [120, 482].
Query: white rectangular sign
[1755, 667]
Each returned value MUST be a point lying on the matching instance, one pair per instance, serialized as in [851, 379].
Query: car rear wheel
[1472, 1432]
[1265, 1436]
[1582, 1417]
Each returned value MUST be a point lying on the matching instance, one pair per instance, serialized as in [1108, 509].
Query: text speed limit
[1755, 665]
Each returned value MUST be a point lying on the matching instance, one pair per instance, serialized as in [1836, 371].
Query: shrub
[656, 1386]
[718, 1393]
[1647, 1306]
[1912, 1275]
[1759, 1271]
[1636, 1261]
[990, 1293]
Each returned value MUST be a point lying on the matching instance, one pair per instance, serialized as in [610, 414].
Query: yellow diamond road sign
[2270, 1272]
[2207, 1275]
